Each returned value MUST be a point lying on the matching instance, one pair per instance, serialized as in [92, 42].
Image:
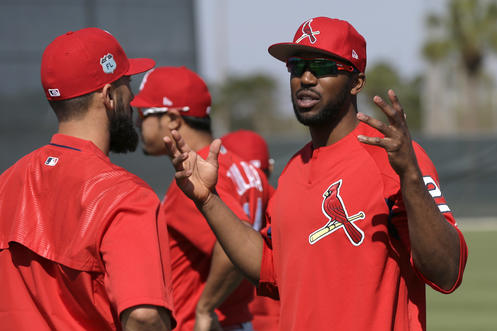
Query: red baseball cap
[249, 145]
[180, 88]
[83, 61]
[327, 36]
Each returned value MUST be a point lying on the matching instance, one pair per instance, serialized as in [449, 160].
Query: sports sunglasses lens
[323, 67]
[296, 67]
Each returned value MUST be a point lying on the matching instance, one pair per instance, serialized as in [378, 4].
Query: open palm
[195, 176]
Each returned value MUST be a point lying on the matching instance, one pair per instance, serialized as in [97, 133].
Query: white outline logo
[108, 64]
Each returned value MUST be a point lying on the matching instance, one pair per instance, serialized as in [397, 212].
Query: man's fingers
[171, 149]
[394, 112]
[180, 142]
[178, 161]
[377, 124]
[377, 141]
[214, 151]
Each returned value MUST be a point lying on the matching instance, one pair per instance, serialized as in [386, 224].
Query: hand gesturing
[195, 176]
[397, 139]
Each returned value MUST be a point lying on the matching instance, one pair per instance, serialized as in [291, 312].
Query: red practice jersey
[337, 250]
[79, 241]
[245, 191]
[265, 311]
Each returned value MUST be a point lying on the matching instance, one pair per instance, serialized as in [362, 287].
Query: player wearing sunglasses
[357, 226]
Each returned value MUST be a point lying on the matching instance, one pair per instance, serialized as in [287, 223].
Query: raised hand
[195, 176]
[397, 139]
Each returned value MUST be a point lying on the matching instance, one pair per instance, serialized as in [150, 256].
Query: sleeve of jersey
[268, 285]
[227, 192]
[135, 273]
[399, 218]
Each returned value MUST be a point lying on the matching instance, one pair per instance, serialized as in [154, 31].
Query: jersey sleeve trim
[267, 283]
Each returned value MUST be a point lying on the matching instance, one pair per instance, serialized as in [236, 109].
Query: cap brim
[139, 102]
[137, 66]
[283, 51]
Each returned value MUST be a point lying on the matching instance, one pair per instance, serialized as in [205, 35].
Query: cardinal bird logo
[307, 32]
[334, 209]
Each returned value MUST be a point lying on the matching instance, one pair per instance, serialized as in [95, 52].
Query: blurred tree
[381, 77]
[248, 102]
[465, 34]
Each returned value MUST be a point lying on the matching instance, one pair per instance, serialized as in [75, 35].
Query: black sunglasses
[319, 67]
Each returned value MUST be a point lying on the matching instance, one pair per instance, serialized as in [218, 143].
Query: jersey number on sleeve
[435, 192]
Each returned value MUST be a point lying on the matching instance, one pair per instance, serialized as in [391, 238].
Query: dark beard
[330, 114]
[123, 136]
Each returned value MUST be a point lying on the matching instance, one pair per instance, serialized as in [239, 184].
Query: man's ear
[358, 83]
[175, 119]
[108, 97]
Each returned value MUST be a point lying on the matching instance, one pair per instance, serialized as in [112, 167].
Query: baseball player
[358, 224]
[207, 288]
[80, 246]
[251, 147]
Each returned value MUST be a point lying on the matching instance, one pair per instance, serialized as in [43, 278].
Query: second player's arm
[222, 280]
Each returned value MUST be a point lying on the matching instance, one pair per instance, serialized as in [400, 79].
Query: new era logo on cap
[166, 101]
[354, 55]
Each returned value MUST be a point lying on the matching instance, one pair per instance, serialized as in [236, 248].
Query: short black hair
[199, 123]
[73, 108]
[77, 107]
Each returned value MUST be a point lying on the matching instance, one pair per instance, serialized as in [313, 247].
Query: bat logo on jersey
[108, 63]
[334, 209]
[307, 32]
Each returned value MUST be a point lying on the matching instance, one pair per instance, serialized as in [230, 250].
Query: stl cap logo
[307, 32]
[354, 55]
[334, 209]
[108, 63]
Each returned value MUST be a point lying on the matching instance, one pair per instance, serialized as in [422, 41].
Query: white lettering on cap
[108, 63]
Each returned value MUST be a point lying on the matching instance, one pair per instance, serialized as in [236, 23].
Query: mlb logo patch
[51, 161]
[54, 92]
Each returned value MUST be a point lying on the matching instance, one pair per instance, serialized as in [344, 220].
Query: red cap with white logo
[165, 88]
[83, 61]
[327, 36]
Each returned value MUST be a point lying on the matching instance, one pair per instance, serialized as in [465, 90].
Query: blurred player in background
[358, 224]
[206, 285]
[252, 147]
[80, 247]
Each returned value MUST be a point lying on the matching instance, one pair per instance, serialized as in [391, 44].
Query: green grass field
[473, 306]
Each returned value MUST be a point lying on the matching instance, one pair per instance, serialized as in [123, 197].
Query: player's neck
[88, 128]
[196, 139]
[329, 134]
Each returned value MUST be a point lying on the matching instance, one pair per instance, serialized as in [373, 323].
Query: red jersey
[191, 240]
[79, 241]
[337, 252]
[265, 311]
